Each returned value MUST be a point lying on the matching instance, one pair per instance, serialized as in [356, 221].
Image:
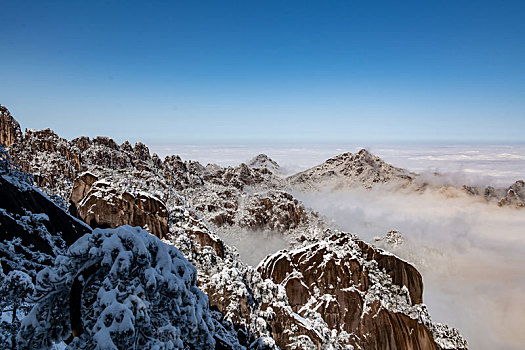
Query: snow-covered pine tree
[15, 288]
[119, 288]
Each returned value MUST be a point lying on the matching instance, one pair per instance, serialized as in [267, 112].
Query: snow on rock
[33, 230]
[105, 205]
[355, 296]
[119, 289]
[361, 169]
[392, 240]
[250, 307]
[263, 161]
[514, 196]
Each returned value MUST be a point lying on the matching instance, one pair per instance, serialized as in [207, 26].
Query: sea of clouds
[471, 254]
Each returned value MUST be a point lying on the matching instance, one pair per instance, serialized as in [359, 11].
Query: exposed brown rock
[9, 128]
[81, 186]
[204, 237]
[401, 272]
[383, 329]
[331, 276]
[82, 142]
[142, 151]
[106, 142]
[106, 206]
[274, 210]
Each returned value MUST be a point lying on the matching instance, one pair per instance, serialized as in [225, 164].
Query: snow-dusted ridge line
[195, 196]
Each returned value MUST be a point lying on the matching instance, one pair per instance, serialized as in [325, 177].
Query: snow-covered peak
[346, 170]
[263, 161]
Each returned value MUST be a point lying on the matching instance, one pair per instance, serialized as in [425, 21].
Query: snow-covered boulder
[107, 205]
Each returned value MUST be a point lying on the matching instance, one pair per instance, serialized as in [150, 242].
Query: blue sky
[267, 71]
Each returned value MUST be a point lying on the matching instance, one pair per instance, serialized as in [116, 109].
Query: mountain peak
[263, 161]
[350, 169]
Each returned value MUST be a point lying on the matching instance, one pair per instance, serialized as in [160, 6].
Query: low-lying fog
[254, 246]
[471, 255]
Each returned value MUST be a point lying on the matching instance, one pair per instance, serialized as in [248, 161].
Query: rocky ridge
[364, 170]
[253, 304]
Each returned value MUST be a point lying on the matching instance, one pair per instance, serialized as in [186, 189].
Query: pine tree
[15, 290]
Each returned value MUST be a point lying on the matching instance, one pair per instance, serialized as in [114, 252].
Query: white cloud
[471, 255]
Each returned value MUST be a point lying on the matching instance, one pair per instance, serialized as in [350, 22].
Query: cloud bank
[471, 255]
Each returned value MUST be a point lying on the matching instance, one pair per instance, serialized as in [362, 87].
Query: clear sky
[267, 71]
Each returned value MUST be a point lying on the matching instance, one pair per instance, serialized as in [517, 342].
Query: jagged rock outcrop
[9, 128]
[361, 169]
[241, 176]
[81, 186]
[370, 298]
[263, 161]
[273, 210]
[34, 231]
[514, 196]
[392, 239]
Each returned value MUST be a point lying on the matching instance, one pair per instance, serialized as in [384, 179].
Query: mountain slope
[349, 170]
[250, 306]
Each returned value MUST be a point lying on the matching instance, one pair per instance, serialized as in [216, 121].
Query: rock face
[274, 210]
[9, 128]
[371, 299]
[241, 176]
[514, 196]
[360, 169]
[104, 205]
